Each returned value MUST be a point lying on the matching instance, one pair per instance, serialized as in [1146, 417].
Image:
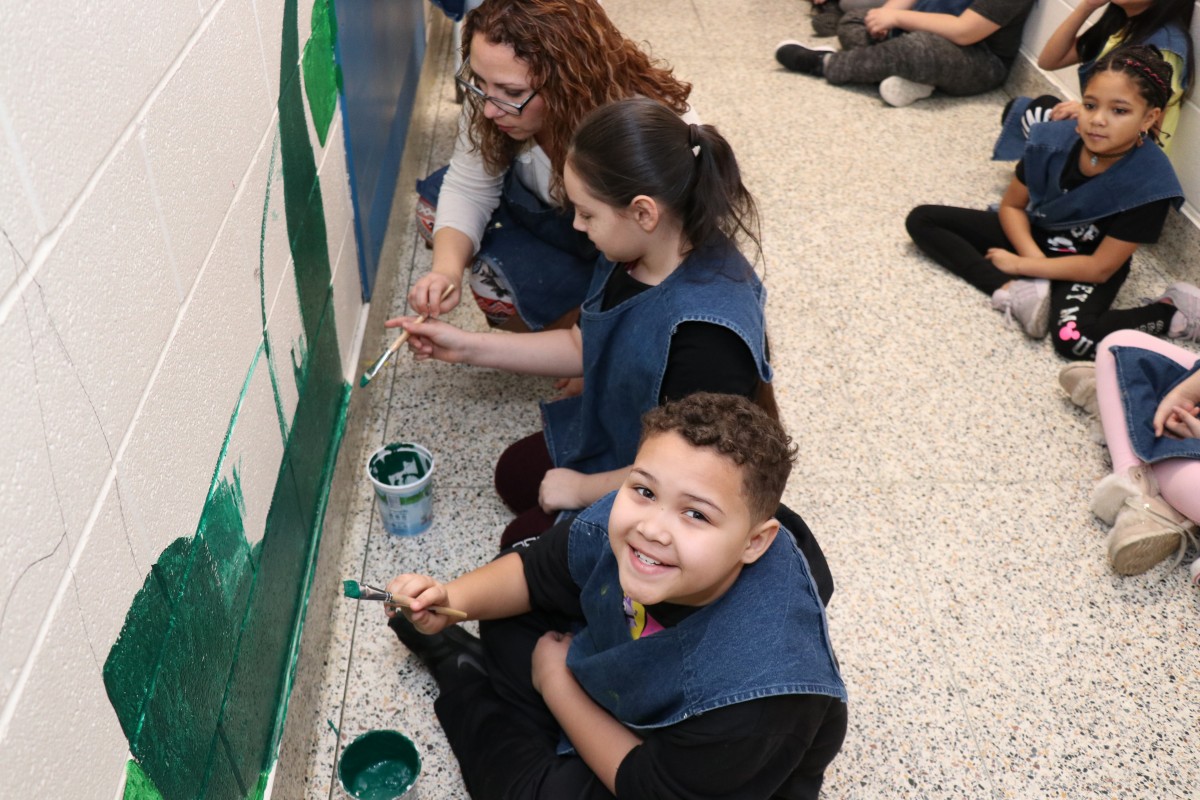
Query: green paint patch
[200, 674]
[322, 75]
[138, 785]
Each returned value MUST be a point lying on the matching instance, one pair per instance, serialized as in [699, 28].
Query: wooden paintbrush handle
[445, 611]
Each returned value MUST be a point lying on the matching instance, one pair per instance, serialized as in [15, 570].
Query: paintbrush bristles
[378, 365]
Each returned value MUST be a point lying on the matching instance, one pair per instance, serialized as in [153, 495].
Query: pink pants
[1178, 478]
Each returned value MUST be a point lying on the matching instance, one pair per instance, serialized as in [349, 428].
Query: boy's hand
[550, 660]
[423, 591]
[880, 22]
[560, 490]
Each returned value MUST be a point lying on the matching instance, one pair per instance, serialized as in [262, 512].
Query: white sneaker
[900, 92]
[1027, 302]
[1186, 299]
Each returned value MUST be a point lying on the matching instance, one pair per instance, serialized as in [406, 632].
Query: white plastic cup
[402, 474]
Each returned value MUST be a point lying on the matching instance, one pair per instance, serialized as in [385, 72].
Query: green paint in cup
[402, 474]
[379, 765]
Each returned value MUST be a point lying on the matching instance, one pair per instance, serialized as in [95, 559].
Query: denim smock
[546, 262]
[625, 351]
[1144, 378]
[1144, 176]
[1011, 142]
[766, 636]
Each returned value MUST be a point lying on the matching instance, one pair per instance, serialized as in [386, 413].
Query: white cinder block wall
[140, 185]
[1185, 152]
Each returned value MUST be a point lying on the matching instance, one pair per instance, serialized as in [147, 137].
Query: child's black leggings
[1080, 313]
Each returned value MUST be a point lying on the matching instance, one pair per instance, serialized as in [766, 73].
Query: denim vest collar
[766, 636]
[1143, 176]
[625, 352]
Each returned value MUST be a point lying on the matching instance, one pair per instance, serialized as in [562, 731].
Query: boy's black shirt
[774, 747]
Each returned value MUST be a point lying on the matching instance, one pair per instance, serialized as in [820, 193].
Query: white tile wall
[203, 132]
[255, 451]
[19, 210]
[109, 288]
[64, 740]
[74, 75]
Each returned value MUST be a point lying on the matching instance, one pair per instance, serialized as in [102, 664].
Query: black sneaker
[452, 656]
[799, 58]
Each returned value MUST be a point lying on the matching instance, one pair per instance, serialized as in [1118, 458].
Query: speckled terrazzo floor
[988, 649]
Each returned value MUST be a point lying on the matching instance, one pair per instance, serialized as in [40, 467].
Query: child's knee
[918, 220]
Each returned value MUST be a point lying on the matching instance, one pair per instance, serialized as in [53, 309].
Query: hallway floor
[988, 648]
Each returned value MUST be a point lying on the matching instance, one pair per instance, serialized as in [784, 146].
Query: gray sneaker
[1186, 299]
[1027, 302]
[900, 92]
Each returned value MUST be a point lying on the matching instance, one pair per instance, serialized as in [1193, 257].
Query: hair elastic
[1138, 65]
[694, 138]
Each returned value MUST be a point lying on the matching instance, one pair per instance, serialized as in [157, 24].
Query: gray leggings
[919, 56]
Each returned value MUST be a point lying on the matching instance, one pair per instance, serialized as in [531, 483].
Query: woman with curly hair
[532, 69]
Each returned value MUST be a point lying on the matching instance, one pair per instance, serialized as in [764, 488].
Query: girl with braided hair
[1166, 24]
[532, 69]
[1086, 195]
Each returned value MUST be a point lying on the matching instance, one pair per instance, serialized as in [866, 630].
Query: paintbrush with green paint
[379, 362]
[365, 591]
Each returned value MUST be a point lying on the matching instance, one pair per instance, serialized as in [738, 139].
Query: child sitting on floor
[673, 307]
[1084, 197]
[1147, 393]
[674, 638]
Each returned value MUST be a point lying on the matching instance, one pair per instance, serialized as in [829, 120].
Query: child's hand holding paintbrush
[432, 613]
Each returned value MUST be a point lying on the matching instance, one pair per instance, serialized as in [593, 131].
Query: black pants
[1080, 313]
[501, 731]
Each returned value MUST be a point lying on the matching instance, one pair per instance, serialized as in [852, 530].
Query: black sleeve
[746, 750]
[1000, 12]
[1089, 43]
[818, 567]
[551, 587]
[1141, 225]
[708, 358]
[1019, 172]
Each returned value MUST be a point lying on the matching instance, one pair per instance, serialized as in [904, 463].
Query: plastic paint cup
[380, 765]
[402, 474]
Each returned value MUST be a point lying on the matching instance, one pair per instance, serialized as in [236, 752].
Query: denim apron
[1144, 176]
[1011, 142]
[625, 352]
[1144, 378]
[766, 636]
[545, 261]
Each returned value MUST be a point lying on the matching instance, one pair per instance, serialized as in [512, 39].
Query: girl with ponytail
[673, 308]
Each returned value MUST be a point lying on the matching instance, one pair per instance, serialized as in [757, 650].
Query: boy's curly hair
[577, 61]
[739, 430]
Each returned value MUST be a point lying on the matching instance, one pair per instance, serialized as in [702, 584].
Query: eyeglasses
[464, 80]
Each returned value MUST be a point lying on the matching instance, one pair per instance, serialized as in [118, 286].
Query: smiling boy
[700, 663]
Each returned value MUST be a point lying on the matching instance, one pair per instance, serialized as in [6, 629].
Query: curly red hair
[577, 60]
